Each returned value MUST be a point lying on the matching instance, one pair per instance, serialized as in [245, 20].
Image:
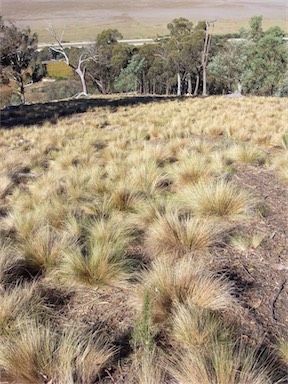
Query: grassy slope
[159, 231]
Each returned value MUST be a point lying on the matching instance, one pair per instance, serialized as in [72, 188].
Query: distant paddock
[141, 19]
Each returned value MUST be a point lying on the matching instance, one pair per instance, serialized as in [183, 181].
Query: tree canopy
[17, 52]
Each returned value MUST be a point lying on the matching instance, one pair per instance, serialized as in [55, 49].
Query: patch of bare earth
[261, 274]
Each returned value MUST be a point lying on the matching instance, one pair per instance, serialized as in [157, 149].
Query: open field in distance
[84, 20]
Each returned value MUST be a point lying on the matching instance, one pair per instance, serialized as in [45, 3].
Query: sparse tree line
[189, 61]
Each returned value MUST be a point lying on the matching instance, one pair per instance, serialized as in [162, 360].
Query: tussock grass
[5, 185]
[103, 261]
[37, 353]
[192, 169]
[244, 243]
[246, 154]
[169, 285]
[146, 177]
[91, 199]
[13, 268]
[43, 248]
[280, 164]
[283, 349]
[195, 327]
[16, 306]
[223, 363]
[218, 198]
[173, 236]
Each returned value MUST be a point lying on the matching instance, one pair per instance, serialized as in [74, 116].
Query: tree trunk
[205, 56]
[189, 91]
[81, 74]
[22, 90]
[197, 84]
[204, 93]
[179, 88]
[167, 88]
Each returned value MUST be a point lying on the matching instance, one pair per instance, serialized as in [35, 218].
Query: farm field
[144, 240]
[84, 20]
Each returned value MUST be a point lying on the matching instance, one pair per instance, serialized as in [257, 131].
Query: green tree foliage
[17, 52]
[257, 64]
[111, 58]
[227, 67]
[129, 79]
[267, 63]
[255, 31]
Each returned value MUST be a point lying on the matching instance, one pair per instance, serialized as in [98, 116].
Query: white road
[81, 44]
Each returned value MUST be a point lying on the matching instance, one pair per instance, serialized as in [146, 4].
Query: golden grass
[280, 164]
[91, 199]
[223, 363]
[195, 327]
[217, 198]
[187, 281]
[103, 261]
[283, 349]
[246, 154]
[37, 353]
[16, 306]
[244, 243]
[174, 236]
[42, 249]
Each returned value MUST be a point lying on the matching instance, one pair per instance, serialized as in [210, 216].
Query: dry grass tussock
[173, 236]
[92, 200]
[186, 281]
[103, 260]
[17, 305]
[280, 164]
[218, 198]
[223, 363]
[38, 353]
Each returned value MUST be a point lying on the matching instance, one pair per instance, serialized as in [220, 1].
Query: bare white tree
[84, 57]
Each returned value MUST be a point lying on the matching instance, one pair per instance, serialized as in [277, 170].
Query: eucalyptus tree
[227, 67]
[267, 63]
[180, 29]
[18, 50]
[111, 58]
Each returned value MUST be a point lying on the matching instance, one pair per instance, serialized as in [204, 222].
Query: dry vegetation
[137, 245]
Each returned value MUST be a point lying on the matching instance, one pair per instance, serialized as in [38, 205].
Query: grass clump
[173, 236]
[43, 249]
[219, 198]
[222, 363]
[246, 154]
[195, 327]
[16, 305]
[244, 243]
[283, 349]
[103, 260]
[38, 353]
[187, 282]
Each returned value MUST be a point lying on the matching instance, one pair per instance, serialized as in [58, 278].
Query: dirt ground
[137, 19]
